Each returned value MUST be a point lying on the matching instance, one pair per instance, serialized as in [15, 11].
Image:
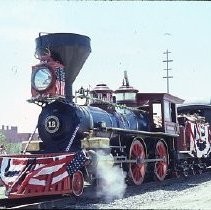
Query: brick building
[12, 135]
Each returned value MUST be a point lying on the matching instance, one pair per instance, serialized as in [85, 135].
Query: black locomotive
[142, 133]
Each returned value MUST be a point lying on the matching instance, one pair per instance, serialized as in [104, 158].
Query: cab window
[169, 111]
[157, 115]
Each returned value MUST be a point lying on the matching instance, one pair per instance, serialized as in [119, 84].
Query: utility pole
[167, 68]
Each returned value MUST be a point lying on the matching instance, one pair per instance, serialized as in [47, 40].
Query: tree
[11, 148]
[2, 139]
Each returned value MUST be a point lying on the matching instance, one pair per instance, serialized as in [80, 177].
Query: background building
[12, 136]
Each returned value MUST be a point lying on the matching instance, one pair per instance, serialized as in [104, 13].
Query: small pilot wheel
[137, 169]
[161, 166]
[77, 183]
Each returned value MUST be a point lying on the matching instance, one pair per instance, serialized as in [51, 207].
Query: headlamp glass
[42, 79]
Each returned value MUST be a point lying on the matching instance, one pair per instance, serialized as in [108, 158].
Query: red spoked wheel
[161, 166]
[77, 183]
[137, 170]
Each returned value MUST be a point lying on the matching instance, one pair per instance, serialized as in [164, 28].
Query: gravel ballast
[191, 193]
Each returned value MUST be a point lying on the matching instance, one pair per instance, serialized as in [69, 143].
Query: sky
[125, 35]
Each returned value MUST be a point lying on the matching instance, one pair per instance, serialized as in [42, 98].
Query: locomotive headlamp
[42, 78]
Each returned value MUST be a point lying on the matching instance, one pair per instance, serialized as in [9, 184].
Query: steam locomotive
[141, 133]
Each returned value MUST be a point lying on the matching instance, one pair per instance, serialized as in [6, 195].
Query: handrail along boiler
[140, 132]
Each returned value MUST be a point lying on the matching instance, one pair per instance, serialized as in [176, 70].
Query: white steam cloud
[111, 178]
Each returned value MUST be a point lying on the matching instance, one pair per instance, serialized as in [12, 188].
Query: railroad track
[90, 197]
[46, 202]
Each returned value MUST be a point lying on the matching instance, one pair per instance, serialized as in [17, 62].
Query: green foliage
[11, 148]
[2, 138]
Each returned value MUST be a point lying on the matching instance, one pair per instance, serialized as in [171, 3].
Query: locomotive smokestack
[69, 49]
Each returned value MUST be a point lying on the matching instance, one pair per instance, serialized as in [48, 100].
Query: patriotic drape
[35, 170]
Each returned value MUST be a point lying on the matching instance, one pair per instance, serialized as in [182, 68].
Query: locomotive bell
[71, 50]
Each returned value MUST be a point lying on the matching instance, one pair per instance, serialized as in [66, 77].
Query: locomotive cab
[162, 110]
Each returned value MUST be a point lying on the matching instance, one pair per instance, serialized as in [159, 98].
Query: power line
[167, 69]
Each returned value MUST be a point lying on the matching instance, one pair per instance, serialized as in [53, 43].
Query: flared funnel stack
[70, 49]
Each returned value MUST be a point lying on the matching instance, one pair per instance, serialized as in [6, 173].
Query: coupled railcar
[141, 133]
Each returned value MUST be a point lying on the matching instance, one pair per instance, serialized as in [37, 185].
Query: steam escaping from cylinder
[69, 49]
[111, 179]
